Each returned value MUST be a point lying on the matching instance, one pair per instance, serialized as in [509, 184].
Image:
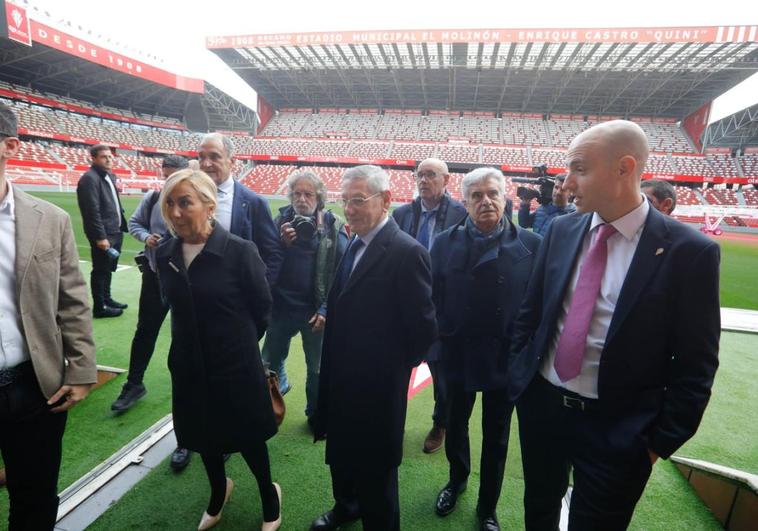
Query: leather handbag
[277, 400]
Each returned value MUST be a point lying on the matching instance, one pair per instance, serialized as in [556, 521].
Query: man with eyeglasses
[424, 218]
[313, 240]
[380, 323]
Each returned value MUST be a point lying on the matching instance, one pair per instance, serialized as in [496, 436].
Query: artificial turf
[165, 501]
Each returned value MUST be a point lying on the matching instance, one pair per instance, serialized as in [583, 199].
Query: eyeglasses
[306, 195]
[425, 175]
[357, 202]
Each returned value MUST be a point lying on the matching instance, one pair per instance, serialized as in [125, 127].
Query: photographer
[147, 226]
[313, 241]
[554, 202]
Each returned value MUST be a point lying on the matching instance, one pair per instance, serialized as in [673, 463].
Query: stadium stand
[32, 151]
[370, 150]
[512, 140]
[694, 165]
[722, 196]
[659, 164]
[751, 196]
[553, 158]
[415, 151]
[723, 165]
[666, 138]
[267, 178]
[330, 148]
[481, 129]
[459, 153]
[505, 155]
[685, 196]
[749, 163]
[398, 127]
[560, 132]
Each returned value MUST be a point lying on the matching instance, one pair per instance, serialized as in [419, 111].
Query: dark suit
[220, 309]
[102, 220]
[656, 371]
[407, 217]
[251, 220]
[371, 343]
[477, 292]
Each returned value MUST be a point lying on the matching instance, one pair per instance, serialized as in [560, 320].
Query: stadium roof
[617, 71]
[48, 59]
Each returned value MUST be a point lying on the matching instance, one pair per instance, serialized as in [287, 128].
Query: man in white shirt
[240, 210]
[616, 345]
[47, 356]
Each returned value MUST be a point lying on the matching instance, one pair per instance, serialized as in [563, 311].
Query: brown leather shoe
[434, 440]
[2, 477]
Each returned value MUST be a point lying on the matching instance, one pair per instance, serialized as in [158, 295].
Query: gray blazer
[52, 296]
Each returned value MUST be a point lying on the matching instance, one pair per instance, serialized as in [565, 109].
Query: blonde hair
[200, 182]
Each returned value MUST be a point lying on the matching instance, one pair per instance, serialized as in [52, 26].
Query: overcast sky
[176, 30]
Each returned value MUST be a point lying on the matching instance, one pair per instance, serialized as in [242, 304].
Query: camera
[142, 262]
[545, 194]
[304, 227]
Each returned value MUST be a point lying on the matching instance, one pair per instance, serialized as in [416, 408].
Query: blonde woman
[220, 303]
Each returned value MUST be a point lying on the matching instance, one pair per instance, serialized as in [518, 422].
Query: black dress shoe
[330, 520]
[115, 304]
[106, 311]
[180, 459]
[447, 498]
[488, 523]
[130, 393]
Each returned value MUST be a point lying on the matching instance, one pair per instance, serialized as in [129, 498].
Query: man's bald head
[431, 178]
[438, 164]
[605, 164]
[619, 138]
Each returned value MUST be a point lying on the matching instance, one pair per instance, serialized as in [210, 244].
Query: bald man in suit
[616, 345]
[47, 356]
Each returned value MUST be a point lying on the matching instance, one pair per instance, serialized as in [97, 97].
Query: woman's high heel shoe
[273, 526]
[208, 521]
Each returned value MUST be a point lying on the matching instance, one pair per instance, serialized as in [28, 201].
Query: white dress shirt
[621, 248]
[13, 349]
[114, 195]
[367, 239]
[224, 203]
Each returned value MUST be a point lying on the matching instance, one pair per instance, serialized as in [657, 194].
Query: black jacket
[377, 329]
[477, 302]
[449, 213]
[661, 351]
[220, 309]
[100, 216]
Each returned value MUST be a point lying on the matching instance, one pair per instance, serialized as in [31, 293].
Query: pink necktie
[573, 340]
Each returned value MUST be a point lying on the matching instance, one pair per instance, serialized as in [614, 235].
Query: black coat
[377, 329]
[100, 216]
[477, 303]
[220, 309]
[661, 351]
[449, 213]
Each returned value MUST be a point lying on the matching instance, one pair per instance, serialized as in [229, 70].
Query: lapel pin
[658, 251]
